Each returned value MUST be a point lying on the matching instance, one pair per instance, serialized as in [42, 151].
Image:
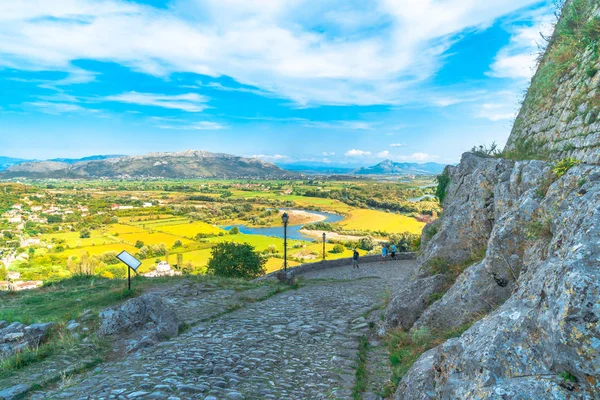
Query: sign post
[132, 264]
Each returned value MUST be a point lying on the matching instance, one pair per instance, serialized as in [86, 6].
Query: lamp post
[324, 240]
[285, 218]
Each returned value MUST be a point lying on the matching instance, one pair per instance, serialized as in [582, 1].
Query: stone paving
[301, 344]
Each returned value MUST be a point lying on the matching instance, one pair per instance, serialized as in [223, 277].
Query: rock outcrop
[538, 286]
[147, 318]
[17, 337]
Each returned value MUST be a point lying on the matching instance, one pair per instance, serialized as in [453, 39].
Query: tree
[85, 233]
[3, 272]
[236, 260]
[234, 231]
[177, 244]
[139, 244]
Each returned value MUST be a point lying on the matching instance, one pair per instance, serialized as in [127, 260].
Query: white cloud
[389, 46]
[350, 125]
[190, 102]
[271, 158]
[517, 60]
[497, 111]
[397, 145]
[326, 154]
[383, 154]
[418, 157]
[195, 126]
[56, 108]
[357, 153]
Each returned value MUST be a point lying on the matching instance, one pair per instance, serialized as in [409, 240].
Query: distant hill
[7, 162]
[317, 168]
[90, 158]
[184, 165]
[389, 167]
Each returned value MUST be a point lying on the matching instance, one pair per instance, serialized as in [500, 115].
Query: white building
[162, 269]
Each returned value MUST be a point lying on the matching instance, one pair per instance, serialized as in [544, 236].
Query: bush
[366, 243]
[338, 249]
[85, 234]
[443, 181]
[485, 151]
[236, 260]
[139, 244]
[177, 244]
[234, 231]
[564, 165]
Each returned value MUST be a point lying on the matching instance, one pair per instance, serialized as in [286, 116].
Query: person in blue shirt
[384, 253]
[394, 249]
[355, 259]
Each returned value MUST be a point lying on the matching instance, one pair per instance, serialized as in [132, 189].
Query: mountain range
[193, 164]
[184, 165]
[389, 167]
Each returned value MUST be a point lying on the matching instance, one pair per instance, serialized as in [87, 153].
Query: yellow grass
[381, 221]
[122, 229]
[189, 230]
[72, 239]
[153, 238]
[97, 250]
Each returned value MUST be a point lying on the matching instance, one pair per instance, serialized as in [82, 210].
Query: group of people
[384, 254]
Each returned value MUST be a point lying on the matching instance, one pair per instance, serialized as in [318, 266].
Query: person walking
[355, 259]
[394, 249]
[384, 253]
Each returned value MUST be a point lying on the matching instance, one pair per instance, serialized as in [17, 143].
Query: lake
[293, 231]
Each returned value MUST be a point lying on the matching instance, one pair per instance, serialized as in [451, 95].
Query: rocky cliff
[534, 294]
[514, 262]
[560, 114]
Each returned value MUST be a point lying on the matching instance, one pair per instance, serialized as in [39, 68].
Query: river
[293, 231]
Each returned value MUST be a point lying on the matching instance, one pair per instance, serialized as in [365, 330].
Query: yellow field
[189, 230]
[153, 238]
[381, 221]
[122, 229]
[97, 250]
[275, 264]
[73, 240]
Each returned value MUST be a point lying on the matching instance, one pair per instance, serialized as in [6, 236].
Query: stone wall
[560, 114]
[340, 262]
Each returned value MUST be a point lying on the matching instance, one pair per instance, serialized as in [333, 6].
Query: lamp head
[285, 218]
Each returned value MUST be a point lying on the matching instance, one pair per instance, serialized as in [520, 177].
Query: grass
[97, 250]
[564, 165]
[361, 375]
[381, 221]
[152, 238]
[405, 349]
[190, 230]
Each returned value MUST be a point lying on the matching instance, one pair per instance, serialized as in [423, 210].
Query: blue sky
[329, 81]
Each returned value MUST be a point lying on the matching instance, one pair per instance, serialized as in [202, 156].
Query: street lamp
[285, 218]
[324, 240]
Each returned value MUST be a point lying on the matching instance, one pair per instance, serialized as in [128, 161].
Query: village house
[162, 269]
[17, 206]
[30, 242]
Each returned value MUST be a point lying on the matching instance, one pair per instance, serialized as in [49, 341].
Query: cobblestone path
[301, 344]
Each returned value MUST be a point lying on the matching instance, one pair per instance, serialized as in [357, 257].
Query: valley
[54, 229]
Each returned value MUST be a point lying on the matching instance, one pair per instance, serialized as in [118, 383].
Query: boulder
[16, 337]
[410, 300]
[148, 314]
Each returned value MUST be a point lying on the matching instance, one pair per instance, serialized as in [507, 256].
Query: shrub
[366, 243]
[236, 260]
[485, 151]
[177, 244]
[564, 165]
[338, 249]
[139, 244]
[234, 231]
[443, 181]
[85, 234]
